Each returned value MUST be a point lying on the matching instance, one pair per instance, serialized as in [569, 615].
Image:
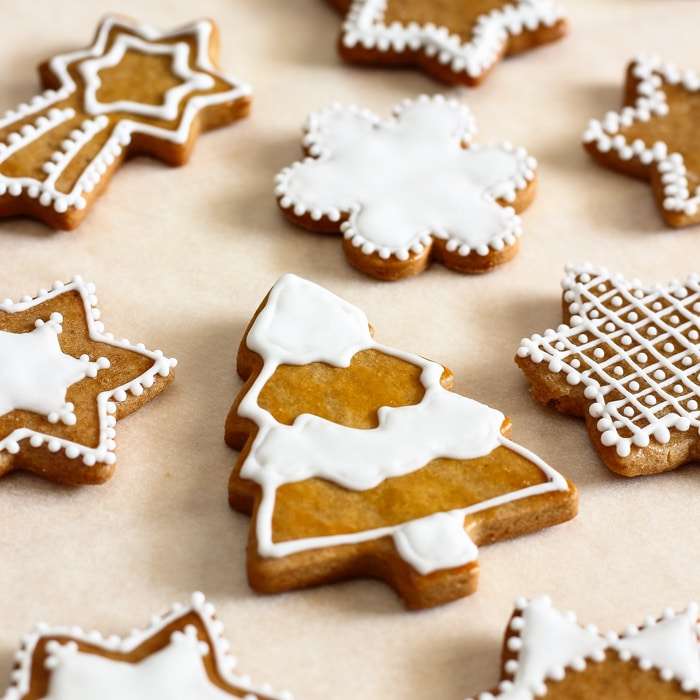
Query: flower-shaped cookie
[408, 189]
[655, 136]
[455, 41]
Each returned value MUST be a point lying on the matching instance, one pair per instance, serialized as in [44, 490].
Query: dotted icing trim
[319, 144]
[225, 663]
[539, 659]
[364, 27]
[651, 74]
[638, 360]
[107, 400]
[45, 192]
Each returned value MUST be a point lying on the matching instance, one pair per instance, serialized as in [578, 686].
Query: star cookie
[357, 460]
[627, 358]
[654, 136]
[180, 656]
[455, 41]
[548, 654]
[134, 91]
[436, 195]
[64, 382]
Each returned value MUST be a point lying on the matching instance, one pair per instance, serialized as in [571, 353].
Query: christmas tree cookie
[357, 460]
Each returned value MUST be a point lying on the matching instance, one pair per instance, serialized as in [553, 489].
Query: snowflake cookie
[456, 41]
[64, 382]
[357, 460]
[408, 189]
[181, 655]
[135, 90]
[655, 137]
[627, 357]
[546, 653]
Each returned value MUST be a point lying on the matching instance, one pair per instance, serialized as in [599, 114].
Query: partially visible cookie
[134, 91]
[409, 189]
[181, 655]
[357, 460]
[655, 136]
[627, 359]
[64, 382]
[455, 41]
[547, 653]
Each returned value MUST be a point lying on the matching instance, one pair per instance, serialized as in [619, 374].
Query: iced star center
[35, 373]
[168, 110]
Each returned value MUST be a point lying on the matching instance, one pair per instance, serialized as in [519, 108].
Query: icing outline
[339, 342]
[137, 36]
[364, 27]
[651, 74]
[198, 605]
[671, 382]
[322, 141]
[107, 401]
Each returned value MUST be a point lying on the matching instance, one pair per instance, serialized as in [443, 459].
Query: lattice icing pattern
[365, 26]
[635, 350]
[433, 181]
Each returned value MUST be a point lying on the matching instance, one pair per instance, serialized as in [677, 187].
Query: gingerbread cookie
[64, 382]
[455, 41]
[181, 655]
[134, 91]
[627, 358]
[357, 460]
[548, 654]
[434, 194]
[654, 136]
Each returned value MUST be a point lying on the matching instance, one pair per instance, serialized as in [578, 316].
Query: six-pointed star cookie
[628, 359]
[455, 41]
[135, 90]
[181, 655]
[408, 189]
[655, 136]
[357, 460]
[64, 382]
[547, 653]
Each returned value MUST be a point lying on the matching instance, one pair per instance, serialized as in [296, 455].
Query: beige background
[181, 259]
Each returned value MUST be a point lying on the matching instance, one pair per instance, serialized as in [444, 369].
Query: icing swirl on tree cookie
[303, 323]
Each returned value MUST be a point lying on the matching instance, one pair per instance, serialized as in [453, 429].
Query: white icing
[650, 102]
[174, 673]
[548, 645]
[43, 374]
[365, 27]
[402, 181]
[303, 323]
[638, 361]
[89, 62]
[35, 373]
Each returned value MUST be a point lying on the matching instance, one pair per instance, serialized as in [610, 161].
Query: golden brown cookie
[655, 136]
[548, 654]
[134, 91]
[357, 460]
[64, 383]
[627, 358]
[455, 41]
[181, 655]
[409, 189]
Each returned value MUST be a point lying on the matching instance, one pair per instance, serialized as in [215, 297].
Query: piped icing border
[220, 648]
[651, 73]
[301, 323]
[94, 58]
[364, 27]
[634, 331]
[548, 644]
[106, 400]
[321, 142]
